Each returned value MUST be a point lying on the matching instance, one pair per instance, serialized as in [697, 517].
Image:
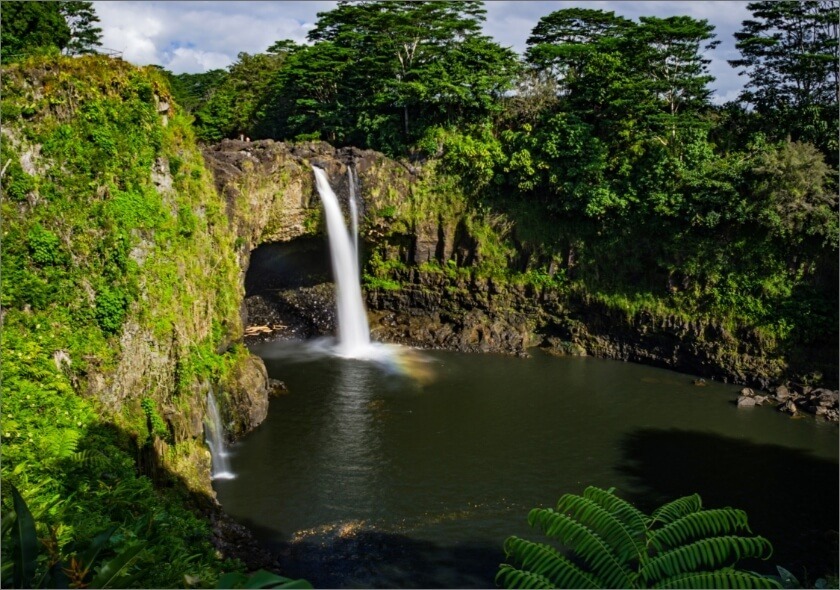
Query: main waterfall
[353, 329]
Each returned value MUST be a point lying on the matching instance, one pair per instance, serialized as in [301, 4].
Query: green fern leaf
[585, 543]
[510, 577]
[633, 518]
[710, 553]
[626, 543]
[718, 579]
[706, 523]
[62, 443]
[677, 509]
[89, 458]
[546, 561]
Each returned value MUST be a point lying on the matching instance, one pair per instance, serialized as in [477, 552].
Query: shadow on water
[789, 495]
[349, 556]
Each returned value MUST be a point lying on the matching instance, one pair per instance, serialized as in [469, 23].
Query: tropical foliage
[605, 542]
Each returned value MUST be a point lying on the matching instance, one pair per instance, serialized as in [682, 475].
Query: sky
[196, 36]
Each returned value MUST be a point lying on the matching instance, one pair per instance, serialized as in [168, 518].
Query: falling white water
[215, 435]
[354, 211]
[353, 330]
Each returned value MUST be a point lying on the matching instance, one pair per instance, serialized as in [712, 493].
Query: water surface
[364, 476]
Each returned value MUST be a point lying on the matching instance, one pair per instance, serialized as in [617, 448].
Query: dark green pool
[363, 475]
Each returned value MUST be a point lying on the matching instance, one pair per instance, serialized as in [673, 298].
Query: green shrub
[43, 245]
[110, 309]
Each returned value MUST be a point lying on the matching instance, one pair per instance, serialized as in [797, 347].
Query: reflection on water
[365, 475]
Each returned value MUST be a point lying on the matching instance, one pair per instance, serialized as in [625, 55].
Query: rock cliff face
[422, 241]
[117, 247]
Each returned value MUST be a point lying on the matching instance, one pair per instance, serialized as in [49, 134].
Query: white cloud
[194, 61]
[193, 36]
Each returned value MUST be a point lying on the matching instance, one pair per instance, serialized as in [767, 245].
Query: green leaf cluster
[605, 542]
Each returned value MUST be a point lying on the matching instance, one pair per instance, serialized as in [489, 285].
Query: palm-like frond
[626, 541]
[510, 577]
[611, 544]
[677, 509]
[715, 552]
[636, 520]
[725, 578]
[697, 525]
[546, 561]
[585, 543]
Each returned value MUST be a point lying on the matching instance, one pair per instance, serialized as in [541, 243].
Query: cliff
[442, 269]
[121, 295]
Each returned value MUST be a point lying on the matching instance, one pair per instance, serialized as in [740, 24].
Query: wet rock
[747, 391]
[746, 402]
[247, 389]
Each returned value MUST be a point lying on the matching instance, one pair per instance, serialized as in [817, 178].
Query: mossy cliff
[121, 301]
[445, 269]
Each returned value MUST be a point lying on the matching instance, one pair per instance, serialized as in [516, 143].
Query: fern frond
[510, 577]
[677, 509]
[61, 444]
[89, 458]
[626, 543]
[706, 523]
[633, 518]
[546, 561]
[705, 553]
[585, 543]
[724, 578]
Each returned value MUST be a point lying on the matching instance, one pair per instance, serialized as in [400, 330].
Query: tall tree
[562, 42]
[31, 26]
[81, 18]
[398, 51]
[789, 51]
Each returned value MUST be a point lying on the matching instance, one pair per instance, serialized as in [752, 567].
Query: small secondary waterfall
[215, 436]
[353, 330]
[354, 211]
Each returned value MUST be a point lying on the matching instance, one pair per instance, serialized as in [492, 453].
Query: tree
[789, 52]
[563, 41]
[412, 60]
[85, 36]
[679, 75]
[31, 26]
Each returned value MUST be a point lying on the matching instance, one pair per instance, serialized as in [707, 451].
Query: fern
[611, 544]
[587, 544]
[706, 553]
[719, 579]
[624, 541]
[548, 562]
[706, 523]
[510, 577]
[677, 509]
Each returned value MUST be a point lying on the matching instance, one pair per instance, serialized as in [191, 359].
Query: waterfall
[353, 331]
[354, 211]
[215, 436]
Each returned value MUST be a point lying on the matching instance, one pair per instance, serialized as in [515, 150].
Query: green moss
[89, 244]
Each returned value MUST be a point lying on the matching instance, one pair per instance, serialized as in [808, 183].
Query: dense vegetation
[91, 246]
[601, 148]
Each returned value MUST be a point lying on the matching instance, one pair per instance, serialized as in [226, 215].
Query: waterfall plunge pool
[368, 474]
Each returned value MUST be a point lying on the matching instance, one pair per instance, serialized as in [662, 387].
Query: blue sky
[196, 36]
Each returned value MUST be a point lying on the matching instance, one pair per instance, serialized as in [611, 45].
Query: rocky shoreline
[521, 318]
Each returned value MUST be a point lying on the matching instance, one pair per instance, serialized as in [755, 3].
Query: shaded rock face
[272, 202]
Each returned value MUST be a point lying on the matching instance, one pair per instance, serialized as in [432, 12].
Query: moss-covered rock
[121, 295]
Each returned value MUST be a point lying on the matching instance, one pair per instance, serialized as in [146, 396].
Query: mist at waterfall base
[215, 437]
[353, 338]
